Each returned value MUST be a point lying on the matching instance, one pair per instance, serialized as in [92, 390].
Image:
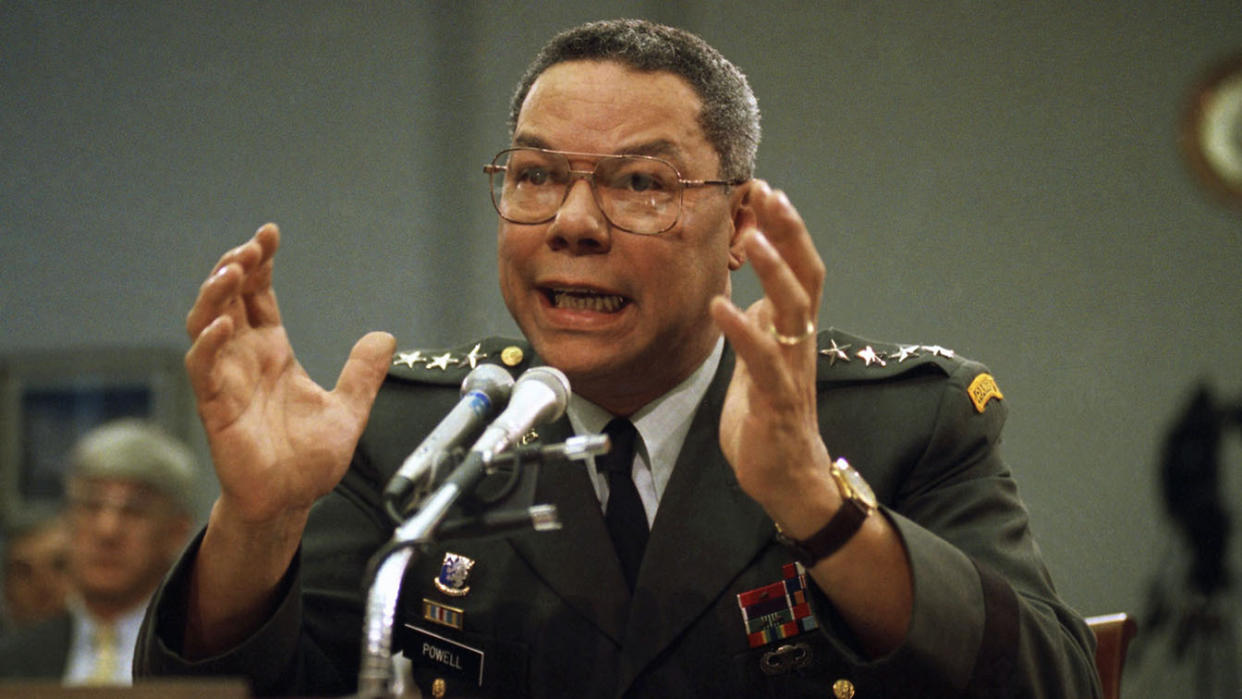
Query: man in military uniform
[731, 551]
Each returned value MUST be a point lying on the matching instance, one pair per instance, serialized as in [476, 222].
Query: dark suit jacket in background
[39, 651]
[552, 617]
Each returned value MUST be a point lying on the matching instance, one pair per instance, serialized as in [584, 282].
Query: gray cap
[137, 450]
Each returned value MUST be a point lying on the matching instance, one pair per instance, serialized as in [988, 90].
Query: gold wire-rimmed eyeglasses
[639, 194]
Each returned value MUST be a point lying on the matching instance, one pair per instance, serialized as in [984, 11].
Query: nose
[109, 522]
[580, 226]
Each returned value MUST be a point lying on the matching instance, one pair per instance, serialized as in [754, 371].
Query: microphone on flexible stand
[484, 389]
[539, 396]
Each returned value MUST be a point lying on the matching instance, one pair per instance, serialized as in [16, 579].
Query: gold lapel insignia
[512, 355]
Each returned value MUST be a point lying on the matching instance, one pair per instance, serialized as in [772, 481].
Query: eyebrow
[659, 148]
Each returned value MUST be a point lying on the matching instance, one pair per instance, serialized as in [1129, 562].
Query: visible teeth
[586, 301]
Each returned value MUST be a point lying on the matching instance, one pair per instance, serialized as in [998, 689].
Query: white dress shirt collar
[662, 426]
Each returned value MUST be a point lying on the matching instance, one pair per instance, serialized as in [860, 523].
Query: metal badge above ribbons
[454, 572]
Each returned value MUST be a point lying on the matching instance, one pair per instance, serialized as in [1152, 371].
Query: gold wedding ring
[791, 340]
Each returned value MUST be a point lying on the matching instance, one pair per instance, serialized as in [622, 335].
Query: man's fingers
[240, 283]
[218, 296]
[260, 299]
[200, 360]
[790, 303]
[785, 230]
[364, 371]
[753, 345]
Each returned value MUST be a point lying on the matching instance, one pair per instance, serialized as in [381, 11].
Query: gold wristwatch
[859, 503]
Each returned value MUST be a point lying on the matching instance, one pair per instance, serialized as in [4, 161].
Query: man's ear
[743, 220]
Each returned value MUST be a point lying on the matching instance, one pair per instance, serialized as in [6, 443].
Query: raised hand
[278, 440]
[769, 430]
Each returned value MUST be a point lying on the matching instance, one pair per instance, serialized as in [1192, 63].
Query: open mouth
[585, 300]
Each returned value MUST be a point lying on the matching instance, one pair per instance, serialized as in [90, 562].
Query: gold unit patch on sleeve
[983, 389]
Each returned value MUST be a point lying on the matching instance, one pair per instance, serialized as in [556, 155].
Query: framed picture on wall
[48, 400]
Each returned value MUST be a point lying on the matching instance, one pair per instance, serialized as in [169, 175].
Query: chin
[577, 359]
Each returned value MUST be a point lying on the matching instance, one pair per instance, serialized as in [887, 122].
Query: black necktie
[626, 519]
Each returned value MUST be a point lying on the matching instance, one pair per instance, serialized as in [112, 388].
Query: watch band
[831, 537]
[858, 501]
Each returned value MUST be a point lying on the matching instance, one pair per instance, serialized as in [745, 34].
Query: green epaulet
[450, 366]
[845, 357]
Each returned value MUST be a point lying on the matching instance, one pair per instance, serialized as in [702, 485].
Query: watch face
[856, 482]
[1212, 130]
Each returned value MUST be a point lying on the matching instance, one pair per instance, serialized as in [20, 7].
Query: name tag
[458, 658]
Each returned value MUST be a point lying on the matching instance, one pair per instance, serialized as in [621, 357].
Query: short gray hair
[133, 449]
[730, 113]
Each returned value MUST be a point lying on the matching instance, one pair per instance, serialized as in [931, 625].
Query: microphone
[539, 396]
[485, 388]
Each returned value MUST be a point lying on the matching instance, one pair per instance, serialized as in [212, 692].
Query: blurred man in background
[129, 504]
[36, 550]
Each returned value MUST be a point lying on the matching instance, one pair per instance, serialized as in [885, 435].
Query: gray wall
[1001, 178]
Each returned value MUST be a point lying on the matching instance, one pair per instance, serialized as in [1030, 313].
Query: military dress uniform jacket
[548, 614]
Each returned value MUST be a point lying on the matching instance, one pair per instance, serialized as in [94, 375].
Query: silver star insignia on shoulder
[474, 356]
[870, 356]
[939, 351]
[409, 358]
[441, 361]
[835, 352]
[905, 352]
